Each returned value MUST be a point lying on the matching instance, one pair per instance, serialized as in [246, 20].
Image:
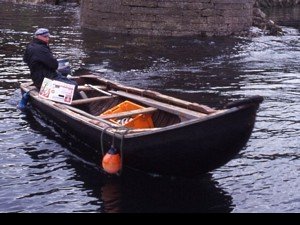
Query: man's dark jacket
[40, 61]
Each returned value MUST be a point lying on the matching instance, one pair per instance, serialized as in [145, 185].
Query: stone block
[168, 17]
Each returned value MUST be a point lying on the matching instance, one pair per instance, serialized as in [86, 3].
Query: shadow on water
[53, 132]
[135, 192]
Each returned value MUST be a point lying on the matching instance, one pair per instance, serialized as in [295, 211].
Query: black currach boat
[154, 133]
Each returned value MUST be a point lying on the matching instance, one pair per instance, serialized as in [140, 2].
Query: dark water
[40, 171]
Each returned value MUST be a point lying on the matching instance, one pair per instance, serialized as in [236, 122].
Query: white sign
[57, 91]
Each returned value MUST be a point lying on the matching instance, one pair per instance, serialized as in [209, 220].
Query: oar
[97, 89]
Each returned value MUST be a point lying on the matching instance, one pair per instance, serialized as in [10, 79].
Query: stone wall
[27, 1]
[44, 1]
[168, 17]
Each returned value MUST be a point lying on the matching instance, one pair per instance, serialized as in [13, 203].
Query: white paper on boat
[57, 91]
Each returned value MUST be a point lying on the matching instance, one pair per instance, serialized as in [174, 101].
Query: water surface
[42, 172]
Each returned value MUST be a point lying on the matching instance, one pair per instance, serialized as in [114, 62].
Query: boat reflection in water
[145, 194]
[135, 192]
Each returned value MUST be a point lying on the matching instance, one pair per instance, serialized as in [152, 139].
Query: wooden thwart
[98, 89]
[87, 88]
[89, 100]
[158, 97]
[189, 114]
[83, 113]
[129, 113]
[95, 119]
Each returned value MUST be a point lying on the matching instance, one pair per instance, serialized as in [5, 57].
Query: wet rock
[268, 26]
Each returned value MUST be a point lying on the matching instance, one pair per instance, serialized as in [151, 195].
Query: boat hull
[198, 147]
[208, 145]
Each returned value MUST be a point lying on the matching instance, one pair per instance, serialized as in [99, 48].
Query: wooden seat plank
[89, 100]
[181, 112]
[128, 113]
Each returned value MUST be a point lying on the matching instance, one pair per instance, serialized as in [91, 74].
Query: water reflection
[165, 64]
[144, 194]
[139, 193]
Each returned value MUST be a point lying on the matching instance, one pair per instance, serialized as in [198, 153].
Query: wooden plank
[99, 121]
[156, 96]
[159, 97]
[83, 113]
[181, 112]
[89, 100]
[179, 102]
[129, 113]
[99, 90]
[87, 88]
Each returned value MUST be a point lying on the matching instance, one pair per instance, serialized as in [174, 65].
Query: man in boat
[41, 62]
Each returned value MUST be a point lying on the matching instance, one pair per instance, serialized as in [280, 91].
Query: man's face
[43, 38]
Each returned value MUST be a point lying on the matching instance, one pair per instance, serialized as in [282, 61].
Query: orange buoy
[111, 162]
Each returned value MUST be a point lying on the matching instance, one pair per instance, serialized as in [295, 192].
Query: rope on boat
[121, 146]
[101, 139]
